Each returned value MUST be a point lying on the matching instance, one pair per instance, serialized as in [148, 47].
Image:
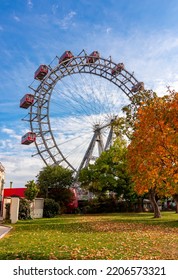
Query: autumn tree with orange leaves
[153, 150]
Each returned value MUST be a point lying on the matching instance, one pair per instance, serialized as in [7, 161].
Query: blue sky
[142, 34]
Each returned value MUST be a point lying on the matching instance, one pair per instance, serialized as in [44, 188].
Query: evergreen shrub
[24, 209]
[51, 208]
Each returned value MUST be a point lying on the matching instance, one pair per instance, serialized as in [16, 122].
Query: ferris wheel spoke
[89, 93]
[85, 93]
[79, 98]
[99, 96]
[78, 150]
[72, 106]
[68, 91]
[70, 136]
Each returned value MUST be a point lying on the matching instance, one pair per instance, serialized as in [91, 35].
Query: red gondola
[27, 101]
[41, 72]
[66, 55]
[94, 56]
[138, 87]
[117, 69]
[28, 138]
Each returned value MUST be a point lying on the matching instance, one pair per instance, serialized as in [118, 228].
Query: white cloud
[12, 133]
[19, 170]
[54, 8]
[16, 18]
[67, 21]
[8, 131]
[30, 4]
[16, 158]
[152, 56]
[108, 30]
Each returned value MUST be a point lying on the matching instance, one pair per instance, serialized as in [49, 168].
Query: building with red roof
[10, 192]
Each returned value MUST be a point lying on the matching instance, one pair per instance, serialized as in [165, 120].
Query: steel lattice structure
[39, 117]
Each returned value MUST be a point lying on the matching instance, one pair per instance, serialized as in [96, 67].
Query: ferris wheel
[73, 105]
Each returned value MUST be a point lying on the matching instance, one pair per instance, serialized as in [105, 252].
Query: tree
[109, 173]
[54, 182]
[153, 151]
[32, 190]
[126, 125]
[175, 196]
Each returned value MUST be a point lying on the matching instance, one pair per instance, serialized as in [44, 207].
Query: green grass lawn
[92, 237]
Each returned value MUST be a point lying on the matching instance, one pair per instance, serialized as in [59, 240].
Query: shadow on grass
[30, 256]
[88, 223]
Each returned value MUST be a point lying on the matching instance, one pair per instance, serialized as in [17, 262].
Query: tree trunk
[140, 205]
[176, 206]
[152, 198]
[176, 201]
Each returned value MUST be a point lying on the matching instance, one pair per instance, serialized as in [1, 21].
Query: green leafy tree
[32, 190]
[126, 125]
[54, 183]
[109, 173]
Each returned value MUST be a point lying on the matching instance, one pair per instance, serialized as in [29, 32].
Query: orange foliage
[153, 151]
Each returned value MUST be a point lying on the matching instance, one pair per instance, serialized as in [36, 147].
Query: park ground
[121, 236]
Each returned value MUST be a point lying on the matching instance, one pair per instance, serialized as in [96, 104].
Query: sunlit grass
[107, 236]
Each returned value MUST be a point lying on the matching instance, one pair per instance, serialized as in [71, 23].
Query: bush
[51, 208]
[24, 209]
[100, 205]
